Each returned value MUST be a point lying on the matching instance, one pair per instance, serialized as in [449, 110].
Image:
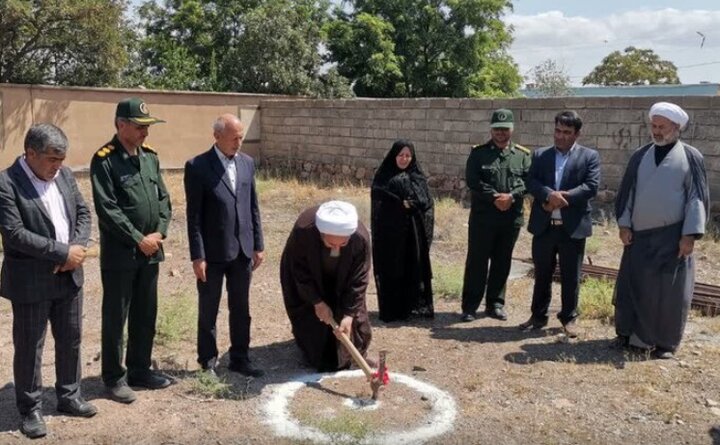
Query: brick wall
[342, 139]
[346, 139]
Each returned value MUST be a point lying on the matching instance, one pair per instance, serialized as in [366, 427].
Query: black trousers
[29, 330]
[547, 248]
[128, 295]
[237, 274]
[491, 244]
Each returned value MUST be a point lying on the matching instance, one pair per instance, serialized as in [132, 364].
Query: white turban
[337, 218]
[671, 112]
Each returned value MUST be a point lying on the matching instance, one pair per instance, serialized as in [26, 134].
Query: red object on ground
[385, 377]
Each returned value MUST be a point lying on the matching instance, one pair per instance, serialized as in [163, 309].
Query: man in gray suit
[45, 226]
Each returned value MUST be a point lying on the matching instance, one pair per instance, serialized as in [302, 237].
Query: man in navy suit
[45, 226]
[562, 180]
[226, 241]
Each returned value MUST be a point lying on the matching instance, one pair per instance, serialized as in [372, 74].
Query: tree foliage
[175, 48]
[550, 80]
[397, 48]
[64, 42]
[633, 67]
[261, 46]
[388, 48]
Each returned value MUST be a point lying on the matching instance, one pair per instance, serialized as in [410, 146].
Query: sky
[579, 34]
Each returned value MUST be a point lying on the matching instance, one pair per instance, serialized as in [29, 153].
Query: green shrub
[177, 319]
[596, 299]
[207, 385]
[345, 428]
[448, 280]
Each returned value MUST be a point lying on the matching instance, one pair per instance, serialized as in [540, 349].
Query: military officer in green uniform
[495, 173]
[133, 208]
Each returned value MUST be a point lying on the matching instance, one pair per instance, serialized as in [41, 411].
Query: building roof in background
[699, 89]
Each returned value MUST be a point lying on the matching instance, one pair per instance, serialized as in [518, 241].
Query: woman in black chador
[402, 230]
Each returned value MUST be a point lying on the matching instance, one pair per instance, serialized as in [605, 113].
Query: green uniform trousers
[128, 294]
[487, 243]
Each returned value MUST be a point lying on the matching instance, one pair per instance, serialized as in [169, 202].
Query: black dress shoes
[662, 354]
[33, 425]
[121, 392]
[532, 324]
[149, 380]
[246, 369]
[497, 313]
[77, 407]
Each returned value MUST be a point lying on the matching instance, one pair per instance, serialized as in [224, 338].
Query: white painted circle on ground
[438, 422]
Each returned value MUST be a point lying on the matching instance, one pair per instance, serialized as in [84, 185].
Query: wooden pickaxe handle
[357, 357]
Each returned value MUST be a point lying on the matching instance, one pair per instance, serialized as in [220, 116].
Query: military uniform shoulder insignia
[522, 149]
[478, 146]
[105, 151]
[148, 149]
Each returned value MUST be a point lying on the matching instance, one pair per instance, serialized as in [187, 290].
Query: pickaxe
[376, 379]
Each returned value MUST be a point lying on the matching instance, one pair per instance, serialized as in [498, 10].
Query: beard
[334, 253]
[667, 139]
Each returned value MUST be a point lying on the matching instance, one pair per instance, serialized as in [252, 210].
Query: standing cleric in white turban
[324, 272]
[661, 209]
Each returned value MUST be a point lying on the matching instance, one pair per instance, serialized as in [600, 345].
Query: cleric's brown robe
[304, 283]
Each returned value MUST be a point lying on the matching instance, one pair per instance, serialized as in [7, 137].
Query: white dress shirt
[228, 165]
[53, 202]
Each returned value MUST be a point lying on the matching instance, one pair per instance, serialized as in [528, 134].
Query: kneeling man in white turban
[324, 272]
[661, 209]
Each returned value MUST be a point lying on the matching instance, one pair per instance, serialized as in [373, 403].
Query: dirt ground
[510, 387]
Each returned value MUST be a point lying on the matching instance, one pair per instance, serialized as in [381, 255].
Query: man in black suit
[562, 180]
[225, 237]
[45, 226]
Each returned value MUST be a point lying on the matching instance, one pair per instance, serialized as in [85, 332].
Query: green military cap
[502, 118]
[135, 110]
